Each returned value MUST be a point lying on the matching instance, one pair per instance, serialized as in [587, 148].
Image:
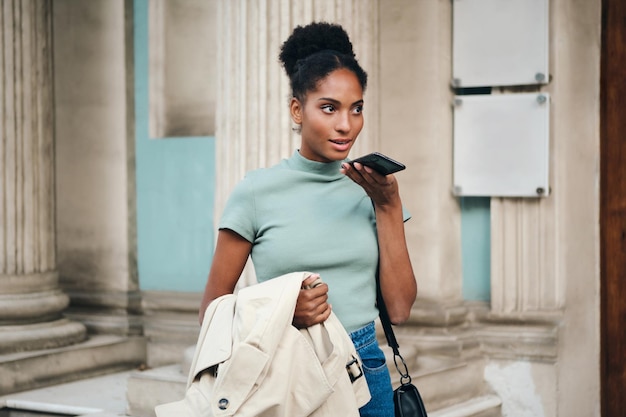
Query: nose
[343, 122]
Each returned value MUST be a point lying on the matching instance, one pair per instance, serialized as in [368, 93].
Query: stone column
[544, 255]
[524, 279]
[526, 289]
[31, 302]
[253, 127]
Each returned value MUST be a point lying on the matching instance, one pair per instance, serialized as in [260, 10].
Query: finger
[325, 314]
[355, 174]
[349, 171]
[320, 289]
[372, 176]
[311, 281]
[369, 175]
[316, 316]
[311, 301]
[316, 302]
[319, 316]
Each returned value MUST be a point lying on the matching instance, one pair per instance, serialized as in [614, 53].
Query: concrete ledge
[485, 406]
[98, 355]
[100, 396]
[45, 407]
[150, 388]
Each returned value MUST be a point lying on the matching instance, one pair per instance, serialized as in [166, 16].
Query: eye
[328, 108]
[357, 109]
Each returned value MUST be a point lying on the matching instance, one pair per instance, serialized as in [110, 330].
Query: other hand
[312, 305]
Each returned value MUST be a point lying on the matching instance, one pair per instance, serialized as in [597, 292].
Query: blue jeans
[375, 371]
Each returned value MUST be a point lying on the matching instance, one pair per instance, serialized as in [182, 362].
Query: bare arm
[397, 281]
[229, 259]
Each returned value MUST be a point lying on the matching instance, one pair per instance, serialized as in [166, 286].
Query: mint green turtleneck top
[302, 215]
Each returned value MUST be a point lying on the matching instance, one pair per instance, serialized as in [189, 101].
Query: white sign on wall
[500, 42]
[501, 145]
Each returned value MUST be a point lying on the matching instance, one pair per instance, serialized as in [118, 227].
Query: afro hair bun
[312, 38]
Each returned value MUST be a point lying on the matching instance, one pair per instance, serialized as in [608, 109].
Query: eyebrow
[332, 100]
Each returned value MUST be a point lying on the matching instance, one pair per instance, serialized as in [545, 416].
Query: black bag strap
[385, 321]
[405, 378]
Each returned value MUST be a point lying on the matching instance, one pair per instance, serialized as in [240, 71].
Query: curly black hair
[314, 51]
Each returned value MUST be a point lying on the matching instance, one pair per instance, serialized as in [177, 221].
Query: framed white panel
[499, 43]
[501, 145]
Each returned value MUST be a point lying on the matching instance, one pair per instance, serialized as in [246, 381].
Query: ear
[295, 108]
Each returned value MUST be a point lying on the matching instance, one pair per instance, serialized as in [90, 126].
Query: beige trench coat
[251, 361]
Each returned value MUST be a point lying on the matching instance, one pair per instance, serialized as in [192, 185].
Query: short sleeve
[406, 216]
[239, 212]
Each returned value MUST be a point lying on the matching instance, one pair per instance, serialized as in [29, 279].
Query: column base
[46, 335]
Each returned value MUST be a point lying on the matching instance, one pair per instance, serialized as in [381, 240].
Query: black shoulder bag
[406, 398]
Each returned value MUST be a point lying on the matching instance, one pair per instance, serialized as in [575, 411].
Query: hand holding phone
[379, 163]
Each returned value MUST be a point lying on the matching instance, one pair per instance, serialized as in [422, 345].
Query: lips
[341, 145]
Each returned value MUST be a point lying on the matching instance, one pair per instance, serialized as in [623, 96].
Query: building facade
[127, 123]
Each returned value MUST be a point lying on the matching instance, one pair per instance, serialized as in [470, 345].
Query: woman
[316, 212]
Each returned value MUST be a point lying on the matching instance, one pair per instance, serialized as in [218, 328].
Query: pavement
[102, 396]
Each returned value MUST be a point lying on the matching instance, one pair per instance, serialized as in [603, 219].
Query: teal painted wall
[175, 192]
[476, 248]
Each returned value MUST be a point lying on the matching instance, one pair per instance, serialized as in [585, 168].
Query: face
[331, 117]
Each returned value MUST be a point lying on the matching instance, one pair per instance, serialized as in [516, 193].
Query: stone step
[442, 382]
[98, 355]
[484, 406]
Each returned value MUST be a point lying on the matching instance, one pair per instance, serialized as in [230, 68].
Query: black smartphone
[380, 163]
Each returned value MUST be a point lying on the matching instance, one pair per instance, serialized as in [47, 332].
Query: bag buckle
[354, 369]
[405, 378]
